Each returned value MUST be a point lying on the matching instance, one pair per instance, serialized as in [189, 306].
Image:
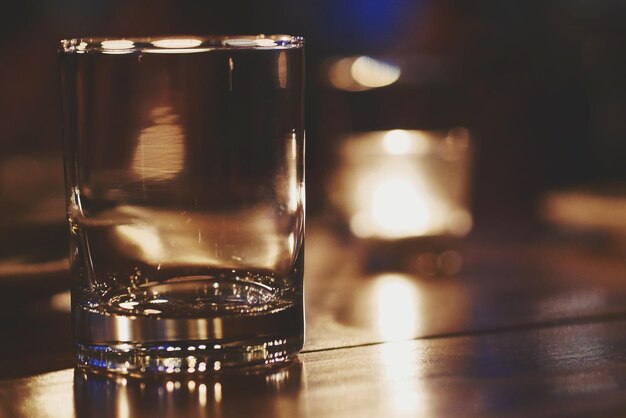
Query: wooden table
[532, 326]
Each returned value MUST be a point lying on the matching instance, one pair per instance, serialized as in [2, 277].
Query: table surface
[533, 325]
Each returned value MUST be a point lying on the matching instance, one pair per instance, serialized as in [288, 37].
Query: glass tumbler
[184, 166]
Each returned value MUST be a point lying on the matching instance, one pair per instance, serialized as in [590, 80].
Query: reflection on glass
[177, 43]
[397, 307]
[361, 73]
[117, 46]
[176, 46]
[186, 224]
[239, 42]
[246, 42]
[400, 184]
[264, 42]
[165, 238]
[282, 70]
[145, 237]
[293, 188]
[160, 150]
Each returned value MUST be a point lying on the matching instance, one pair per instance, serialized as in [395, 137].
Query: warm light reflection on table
[523, 331]
[208, 396]
[406, 393]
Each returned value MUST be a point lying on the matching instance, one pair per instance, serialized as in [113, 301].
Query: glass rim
[177, 44]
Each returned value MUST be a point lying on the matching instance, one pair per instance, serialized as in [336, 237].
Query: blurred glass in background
[401, 184]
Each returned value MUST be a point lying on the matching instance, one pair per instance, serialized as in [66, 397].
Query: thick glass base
[186, 357]
[190, 325]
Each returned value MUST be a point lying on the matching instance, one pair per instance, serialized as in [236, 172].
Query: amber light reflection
[176, 46]
[398, 184]
[117, 46]
[170, 237]
[45, 397]
[361, 73]
[174, 396]
[175, 43]
[392, 198]
[405, 391]
[398, 306]
[160, 151]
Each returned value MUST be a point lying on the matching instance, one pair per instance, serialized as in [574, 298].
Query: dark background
[540, 84]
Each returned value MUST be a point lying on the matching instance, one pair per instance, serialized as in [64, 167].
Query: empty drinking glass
[185, 200]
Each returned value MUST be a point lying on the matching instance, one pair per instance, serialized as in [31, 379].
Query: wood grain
[573, 371]
[531, 327]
